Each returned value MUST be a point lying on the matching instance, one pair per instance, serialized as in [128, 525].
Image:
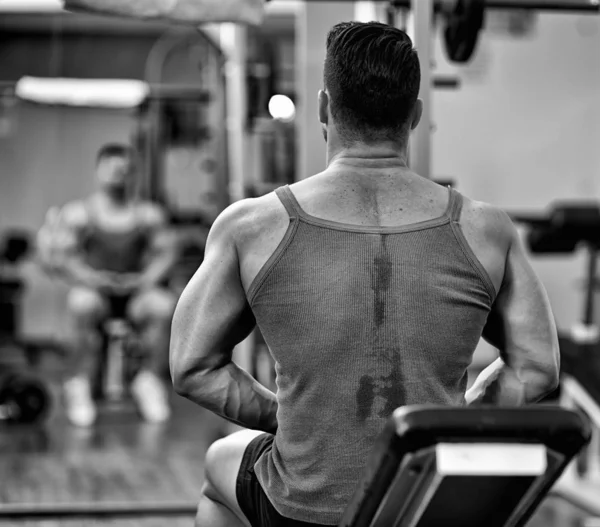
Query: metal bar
[446, 83]
[420, 143]
[95, 510]
[590, 293]
[577, 500]
[540, 5]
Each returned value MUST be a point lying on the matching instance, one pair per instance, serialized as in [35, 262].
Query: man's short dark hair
[373, 76]
[113, 150]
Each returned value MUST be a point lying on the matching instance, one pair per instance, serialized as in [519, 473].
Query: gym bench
[467, 467]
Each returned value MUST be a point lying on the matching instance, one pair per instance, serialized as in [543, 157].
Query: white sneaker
[150, 394]
[79, 406]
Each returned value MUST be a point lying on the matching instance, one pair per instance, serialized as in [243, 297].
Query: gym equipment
[464, 466]
[121, 356]
[463, 23]
[14, 246]
[464, 18]
[566, 227]
[462, 31]
[24, 398]
[185, 11]
[23, 511]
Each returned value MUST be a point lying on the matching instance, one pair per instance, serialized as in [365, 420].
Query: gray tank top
[360, 321]
[117, 251]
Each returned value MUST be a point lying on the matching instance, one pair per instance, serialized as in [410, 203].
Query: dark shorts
[250, 496]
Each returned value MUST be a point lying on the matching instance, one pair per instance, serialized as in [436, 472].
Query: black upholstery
[414, 430]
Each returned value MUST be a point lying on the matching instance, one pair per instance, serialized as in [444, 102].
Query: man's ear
[417, 114]
[323, 107]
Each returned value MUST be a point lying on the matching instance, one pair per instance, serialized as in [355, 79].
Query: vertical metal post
[422, 29]
[234, 42]
[590, 293]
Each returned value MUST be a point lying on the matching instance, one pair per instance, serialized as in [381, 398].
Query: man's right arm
[522, 327]
[67, 240]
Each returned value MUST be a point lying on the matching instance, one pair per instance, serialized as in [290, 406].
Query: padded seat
[468, 467]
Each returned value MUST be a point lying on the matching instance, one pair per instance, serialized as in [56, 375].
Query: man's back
[398, 199]
[370, 297]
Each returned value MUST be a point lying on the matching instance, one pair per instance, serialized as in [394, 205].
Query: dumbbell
[24, 398]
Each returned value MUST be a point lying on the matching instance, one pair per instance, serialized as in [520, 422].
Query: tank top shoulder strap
[287, 198]
[455, 205]
[90, 213]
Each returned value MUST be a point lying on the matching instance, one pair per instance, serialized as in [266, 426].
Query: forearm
[501, 385]
[235, 395]
[498, 385]
[75, 271]
[157, 269]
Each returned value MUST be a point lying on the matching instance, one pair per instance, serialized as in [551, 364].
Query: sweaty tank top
[116, 250]
[360, 321]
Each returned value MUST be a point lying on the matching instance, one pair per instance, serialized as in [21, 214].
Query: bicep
[67, 228]
[162, 238]
[212, 315]
[521, 324]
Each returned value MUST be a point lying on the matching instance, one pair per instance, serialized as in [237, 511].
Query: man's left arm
[162, 249]
[211, 318]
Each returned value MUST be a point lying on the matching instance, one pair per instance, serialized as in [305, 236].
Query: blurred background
[223, 112]
[520, 131]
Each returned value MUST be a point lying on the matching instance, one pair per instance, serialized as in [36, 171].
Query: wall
[524, 129]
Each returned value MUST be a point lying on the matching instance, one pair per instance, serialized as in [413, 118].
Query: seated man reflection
[113, 247]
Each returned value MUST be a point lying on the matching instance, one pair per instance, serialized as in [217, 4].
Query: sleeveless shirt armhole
[272, 261]
[455, 212]
[288, 201]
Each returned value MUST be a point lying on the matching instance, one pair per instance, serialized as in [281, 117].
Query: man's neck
[365, 156]
[114, 198]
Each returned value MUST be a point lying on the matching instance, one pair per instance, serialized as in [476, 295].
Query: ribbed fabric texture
[360, 321]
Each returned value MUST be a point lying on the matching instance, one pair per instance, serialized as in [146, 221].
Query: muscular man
[113, 248]
[372, 287]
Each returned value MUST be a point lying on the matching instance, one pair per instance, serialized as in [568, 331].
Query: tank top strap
[91, 216]
[455, 205]
[287, 198]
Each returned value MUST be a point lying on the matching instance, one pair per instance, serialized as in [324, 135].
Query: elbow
[553, 370]
[552, 381]
[181, 377]
[547, 381]
[180, 382]
[180, 374]
[188, 379]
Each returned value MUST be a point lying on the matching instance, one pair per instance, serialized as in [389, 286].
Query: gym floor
[120, 459]
[123, 459]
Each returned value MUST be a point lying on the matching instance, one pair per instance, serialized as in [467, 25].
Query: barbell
[105, 510]
[466, 18]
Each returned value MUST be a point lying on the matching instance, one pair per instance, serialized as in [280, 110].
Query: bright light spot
[282, 107]
[24, 6]
[111, 93]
